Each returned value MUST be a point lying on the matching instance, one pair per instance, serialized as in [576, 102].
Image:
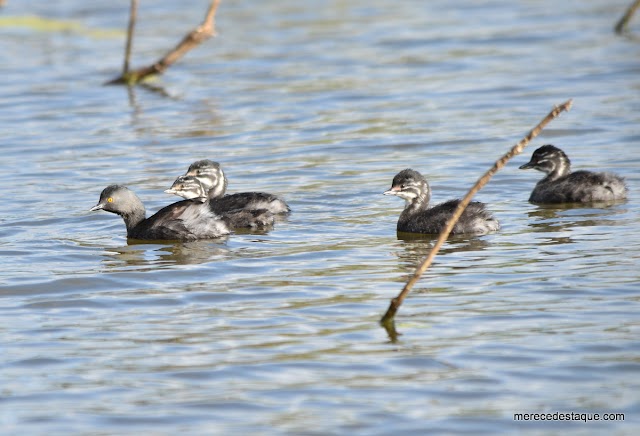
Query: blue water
[322, 103]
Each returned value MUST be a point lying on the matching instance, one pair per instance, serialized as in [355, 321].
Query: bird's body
[418, 217]
[228, 207]
[214, 183]
[560, 185]
[184, 220]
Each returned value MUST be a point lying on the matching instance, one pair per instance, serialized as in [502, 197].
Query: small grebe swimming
[185, 220]
[560, 185]
[418, 217]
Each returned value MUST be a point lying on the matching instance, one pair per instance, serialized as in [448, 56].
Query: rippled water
[323, 103]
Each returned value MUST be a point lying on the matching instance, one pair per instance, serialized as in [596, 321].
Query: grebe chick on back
[190, 188]
[185, 220]
[418, 217]
[560, 185]
[210, 174]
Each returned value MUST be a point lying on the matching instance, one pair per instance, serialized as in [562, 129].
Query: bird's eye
[110, 200]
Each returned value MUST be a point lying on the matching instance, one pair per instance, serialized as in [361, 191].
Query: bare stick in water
[133, 15]
[387, 319]
[201, 33]
[622, 24]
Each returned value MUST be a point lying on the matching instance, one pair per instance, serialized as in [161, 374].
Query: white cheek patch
[407, 195]
[206, 182]
[188, 194]
[219, 190]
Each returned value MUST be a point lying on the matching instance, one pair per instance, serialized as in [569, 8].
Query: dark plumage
[214, 183]
[418, 217]
[562, 186]
[185, 220]
[234, 215]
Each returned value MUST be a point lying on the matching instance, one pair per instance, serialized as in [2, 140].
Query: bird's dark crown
[406, 177]
[203, 164]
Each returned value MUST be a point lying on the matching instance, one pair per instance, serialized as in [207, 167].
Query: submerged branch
[622, 24]
[388, 318]
[201, 33]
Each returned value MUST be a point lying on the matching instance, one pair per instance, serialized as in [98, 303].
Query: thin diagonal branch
[622, 24]
[201, 33]
[387, 319]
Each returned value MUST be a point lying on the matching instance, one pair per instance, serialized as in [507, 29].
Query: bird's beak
[98, 206]
[393, 191]
[170, 191]
[526, 166]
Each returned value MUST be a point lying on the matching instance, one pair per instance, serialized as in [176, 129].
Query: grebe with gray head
[185, 220]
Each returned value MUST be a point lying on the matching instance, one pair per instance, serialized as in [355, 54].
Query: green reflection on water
[41, 24]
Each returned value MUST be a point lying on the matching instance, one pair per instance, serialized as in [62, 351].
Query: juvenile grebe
[418, 217]
[214, 182]
[190, 188]
[562, 186]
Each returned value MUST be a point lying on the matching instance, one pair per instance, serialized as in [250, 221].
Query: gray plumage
[560, 185]
[185, 220]
[418, 217]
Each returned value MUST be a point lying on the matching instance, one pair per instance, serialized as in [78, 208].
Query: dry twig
[201, 33]
[133, 15]
[622, 24]
[387, 319]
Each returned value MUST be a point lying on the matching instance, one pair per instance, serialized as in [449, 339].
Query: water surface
[323, 103]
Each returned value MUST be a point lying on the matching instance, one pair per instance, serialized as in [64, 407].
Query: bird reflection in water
[559, 221]
[148, 256]
[413, 248]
